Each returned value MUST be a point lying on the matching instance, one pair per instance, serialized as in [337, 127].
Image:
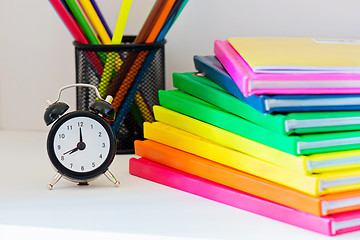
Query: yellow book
[279, 54]
[316, 163]
[315, 185]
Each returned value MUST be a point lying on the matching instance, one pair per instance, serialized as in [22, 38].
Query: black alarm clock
[81, 144]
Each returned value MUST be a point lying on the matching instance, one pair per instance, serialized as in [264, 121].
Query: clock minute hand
[80, 146]
[81, 137]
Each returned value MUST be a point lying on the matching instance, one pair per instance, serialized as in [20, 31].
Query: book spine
[217, 74]
[264, 106]
[226, 59]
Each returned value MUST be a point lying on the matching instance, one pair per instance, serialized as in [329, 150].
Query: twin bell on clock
[81, 144]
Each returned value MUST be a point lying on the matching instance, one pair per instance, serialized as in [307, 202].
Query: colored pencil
[69, 22]
[121, 22]
[141, 38]
[95, 20]
[76, 31]
[173, 15]
[87, 25]
[97, 9]
[129, 96]
[112, 59]
[82, 21]
[119, 96]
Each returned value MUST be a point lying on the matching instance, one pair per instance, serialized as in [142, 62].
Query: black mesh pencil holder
[132, 74]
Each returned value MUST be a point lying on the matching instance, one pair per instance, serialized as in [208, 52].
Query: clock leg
[111, 177]
[55, 180]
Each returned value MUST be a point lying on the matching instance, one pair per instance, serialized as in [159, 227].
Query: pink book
[329, 225]
[255, 83]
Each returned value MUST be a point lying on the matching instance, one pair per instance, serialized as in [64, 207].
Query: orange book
[201, 167]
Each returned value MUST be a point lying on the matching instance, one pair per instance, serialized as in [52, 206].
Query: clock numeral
[92, 126]
[100, 156]
[69, 127]
[82, 168]
[100, 134]
[58, 147]
[103, 145]
[93, 164]
[80, 124]
[62, 158]
[61, 135]
[71, 165]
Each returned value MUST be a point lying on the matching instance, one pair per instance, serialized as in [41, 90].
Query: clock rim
[78, 176]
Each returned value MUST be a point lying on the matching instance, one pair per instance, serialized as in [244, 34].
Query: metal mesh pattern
[132, 74]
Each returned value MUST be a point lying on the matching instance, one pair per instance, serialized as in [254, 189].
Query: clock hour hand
[80, 146]
[71, 151]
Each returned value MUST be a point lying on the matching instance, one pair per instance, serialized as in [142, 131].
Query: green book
[292, 123]
[305, 144]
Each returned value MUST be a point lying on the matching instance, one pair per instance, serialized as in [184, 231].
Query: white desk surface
[138, 209]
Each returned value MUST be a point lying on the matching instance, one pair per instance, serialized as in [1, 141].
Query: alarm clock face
[81, 145]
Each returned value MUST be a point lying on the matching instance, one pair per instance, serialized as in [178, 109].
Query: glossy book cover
[305, 144]
[329, 225]
[289, 123]
[210, 67]
[210, 170]
[305, 82]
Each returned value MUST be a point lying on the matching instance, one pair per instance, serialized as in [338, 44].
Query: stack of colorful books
[268, 125]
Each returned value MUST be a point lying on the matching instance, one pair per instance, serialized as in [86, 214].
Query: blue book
[212, 69]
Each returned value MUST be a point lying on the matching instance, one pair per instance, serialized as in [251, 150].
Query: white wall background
[37, 55]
